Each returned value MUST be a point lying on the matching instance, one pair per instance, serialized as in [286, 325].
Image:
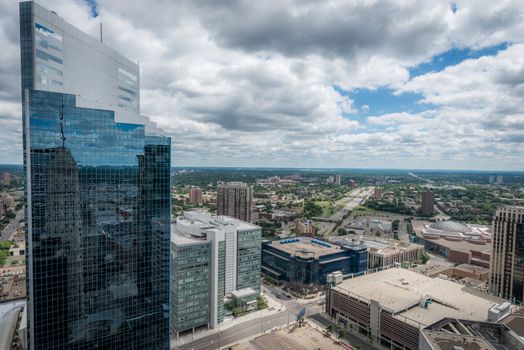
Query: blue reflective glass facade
[100, 233]
[97, 221]
[310, 267]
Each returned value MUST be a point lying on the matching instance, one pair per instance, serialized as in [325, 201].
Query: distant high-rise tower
[235, 199]
[195, 195]
[507, 253]
[378, 193]
[427, 203]
[500, 180]
[97, 177]
[5, 179]
[492, 179]
[337, 180]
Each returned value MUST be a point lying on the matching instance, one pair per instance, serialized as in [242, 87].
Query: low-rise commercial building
[462, 271]
[452, 333]
[216, 260]
[305, 228]
[385, 252]
[459, 243]
[306, 261]
[391, 306]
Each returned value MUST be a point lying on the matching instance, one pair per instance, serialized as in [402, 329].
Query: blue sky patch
[93, 6]
[383, 101]
[453, 57]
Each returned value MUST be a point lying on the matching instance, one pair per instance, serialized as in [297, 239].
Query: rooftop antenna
[101, 37]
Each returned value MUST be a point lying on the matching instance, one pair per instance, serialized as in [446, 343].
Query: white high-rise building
[216, 260]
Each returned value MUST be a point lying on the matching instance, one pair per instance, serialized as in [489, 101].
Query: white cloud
[251, 83]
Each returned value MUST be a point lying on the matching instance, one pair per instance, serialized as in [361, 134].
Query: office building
[458, 242]
[8, 202]
[97, 192]
[305, 228]
[235, 199]
[391, 306]
[377, 193]
[427, 203]
[304, 261]
[507, 253]
[216, 262]
[195, 195]
[337, 180]
[500, 180]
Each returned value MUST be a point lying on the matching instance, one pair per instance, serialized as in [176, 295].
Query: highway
[353, 199]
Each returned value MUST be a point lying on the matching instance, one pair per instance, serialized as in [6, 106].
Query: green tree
[424, 258]
[261, 302]
[311, 209]
[341, 334]
[4, 251]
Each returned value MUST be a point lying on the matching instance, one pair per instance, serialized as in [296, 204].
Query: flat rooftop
[306, 247]
[193, 226]
[479, 241]
[400, 291]
[379, 246]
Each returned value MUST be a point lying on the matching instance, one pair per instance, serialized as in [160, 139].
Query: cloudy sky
[303, 83]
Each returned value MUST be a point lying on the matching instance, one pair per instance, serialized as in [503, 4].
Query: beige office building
[195, 195]
[235, 199]
[507, 253]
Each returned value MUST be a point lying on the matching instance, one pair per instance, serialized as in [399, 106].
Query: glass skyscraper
[97, 191]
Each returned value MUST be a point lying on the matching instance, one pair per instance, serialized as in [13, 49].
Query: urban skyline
[315, 228]
[431, 89]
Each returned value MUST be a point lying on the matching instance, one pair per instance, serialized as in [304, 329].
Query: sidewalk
[358, 343]
[274, 307]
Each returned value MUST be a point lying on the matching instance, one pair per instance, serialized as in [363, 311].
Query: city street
[254, 327]
[238, 333]
[12, 225]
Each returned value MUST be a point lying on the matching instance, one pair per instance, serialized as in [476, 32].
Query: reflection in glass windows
[100, 205]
